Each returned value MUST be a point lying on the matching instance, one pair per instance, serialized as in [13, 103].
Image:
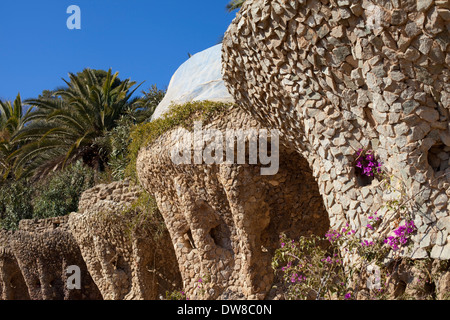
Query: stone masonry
[335, 76]
[121, 254]
[34, 261]
[225, 219]
[121, 250]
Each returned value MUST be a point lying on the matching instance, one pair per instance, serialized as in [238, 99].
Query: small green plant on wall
[183, 115]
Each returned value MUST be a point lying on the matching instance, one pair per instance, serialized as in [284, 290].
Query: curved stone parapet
[225, 219]
[338, 76]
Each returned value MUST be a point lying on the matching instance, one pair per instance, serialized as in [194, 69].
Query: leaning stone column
[225, 219]
[127, 252]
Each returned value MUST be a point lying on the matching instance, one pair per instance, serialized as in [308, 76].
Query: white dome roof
[198, 79]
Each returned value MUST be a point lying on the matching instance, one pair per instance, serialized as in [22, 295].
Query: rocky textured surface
[120, 252]
[337, 76]
[120, 246]
[12, 283]
[34, 262]
[225, 219]
[333, 76]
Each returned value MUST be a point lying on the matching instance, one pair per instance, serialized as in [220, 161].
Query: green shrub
[15, 203]
[149, 102]
[143, 214]
[116, 142]
[179, 115]
[58, 195]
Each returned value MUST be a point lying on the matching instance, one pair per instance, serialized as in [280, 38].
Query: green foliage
[115, 144]
[59, 194]
[178, 115]
[15, 203]
[56, 195]
[234, 5]
[118, 139]
[68, 138]
[351, 267]
[70, 125]
[12, 121]
[143, 214]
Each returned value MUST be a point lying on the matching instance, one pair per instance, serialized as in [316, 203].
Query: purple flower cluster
[366, 163]
[287, 266]
[400, 237]
[334, 235]
[374, 219]
[330, 260]
[297, 278]
[367, 243]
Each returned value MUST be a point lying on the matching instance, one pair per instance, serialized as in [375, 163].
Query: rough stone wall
[34, 260]
[121, 250]
[333, 76]
[121, 254]
[338, 75]
[225, 219]
[12, 283]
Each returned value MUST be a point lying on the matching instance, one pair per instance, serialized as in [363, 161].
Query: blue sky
[145, 40]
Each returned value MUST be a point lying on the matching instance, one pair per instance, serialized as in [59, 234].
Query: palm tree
[71, 124]
[12, 121]
[234, 4]
[146, 106]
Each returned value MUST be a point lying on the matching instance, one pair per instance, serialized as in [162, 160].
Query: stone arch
[234, 213]
[12, 283]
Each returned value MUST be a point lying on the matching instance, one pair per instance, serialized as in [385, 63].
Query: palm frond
[234, 5]
[66, 126]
